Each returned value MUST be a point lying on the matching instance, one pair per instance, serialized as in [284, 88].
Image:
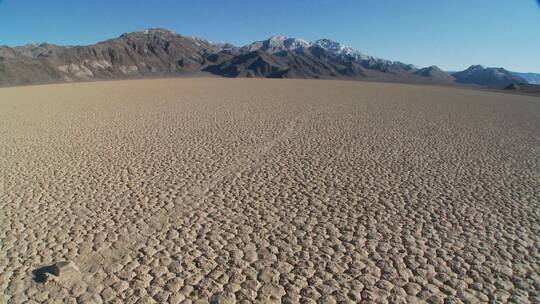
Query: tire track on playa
[193, 201]
[199, 193]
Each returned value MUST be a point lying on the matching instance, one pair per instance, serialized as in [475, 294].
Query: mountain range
[160, 53]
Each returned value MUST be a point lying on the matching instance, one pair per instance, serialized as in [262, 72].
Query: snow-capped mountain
[277, 44]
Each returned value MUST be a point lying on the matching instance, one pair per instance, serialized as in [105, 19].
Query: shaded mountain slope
[311, 62]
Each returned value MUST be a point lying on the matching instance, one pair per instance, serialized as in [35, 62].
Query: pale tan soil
[250, 190]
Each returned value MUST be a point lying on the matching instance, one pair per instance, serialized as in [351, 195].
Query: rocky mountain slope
[159, 52]
[147, 53]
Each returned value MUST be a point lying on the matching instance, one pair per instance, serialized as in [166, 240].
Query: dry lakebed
[211, 190]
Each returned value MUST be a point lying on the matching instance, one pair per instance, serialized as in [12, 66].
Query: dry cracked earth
[268, 191]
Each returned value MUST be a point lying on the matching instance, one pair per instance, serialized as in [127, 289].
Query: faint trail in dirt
[196, 195]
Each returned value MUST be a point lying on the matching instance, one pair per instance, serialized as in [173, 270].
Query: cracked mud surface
[293, 191]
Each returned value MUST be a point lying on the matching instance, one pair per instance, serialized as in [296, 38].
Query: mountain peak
[277, 38]
[334, 46]
[435, 73]
[341, 49]
[433, 68]
[151, 32]
[277, 44]
[288, 42]
[157, 30]
[476, 67]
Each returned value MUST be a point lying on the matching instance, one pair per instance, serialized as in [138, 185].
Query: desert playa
[268, 191]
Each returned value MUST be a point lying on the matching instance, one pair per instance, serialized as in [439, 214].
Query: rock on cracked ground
[291, 191]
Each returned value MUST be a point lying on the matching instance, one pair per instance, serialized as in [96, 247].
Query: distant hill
[159, 52]
[492, 77]
[532, 78]
[436, 73]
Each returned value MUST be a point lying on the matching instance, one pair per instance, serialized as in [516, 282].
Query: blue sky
[452, 34]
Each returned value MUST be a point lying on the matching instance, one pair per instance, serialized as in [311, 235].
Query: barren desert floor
[253, 190]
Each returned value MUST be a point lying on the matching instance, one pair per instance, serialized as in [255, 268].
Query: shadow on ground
[39, 274]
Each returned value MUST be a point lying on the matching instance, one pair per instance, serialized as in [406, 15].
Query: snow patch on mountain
[341, 49]
[277, 44]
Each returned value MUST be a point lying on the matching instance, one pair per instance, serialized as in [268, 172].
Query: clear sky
[452, 34]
